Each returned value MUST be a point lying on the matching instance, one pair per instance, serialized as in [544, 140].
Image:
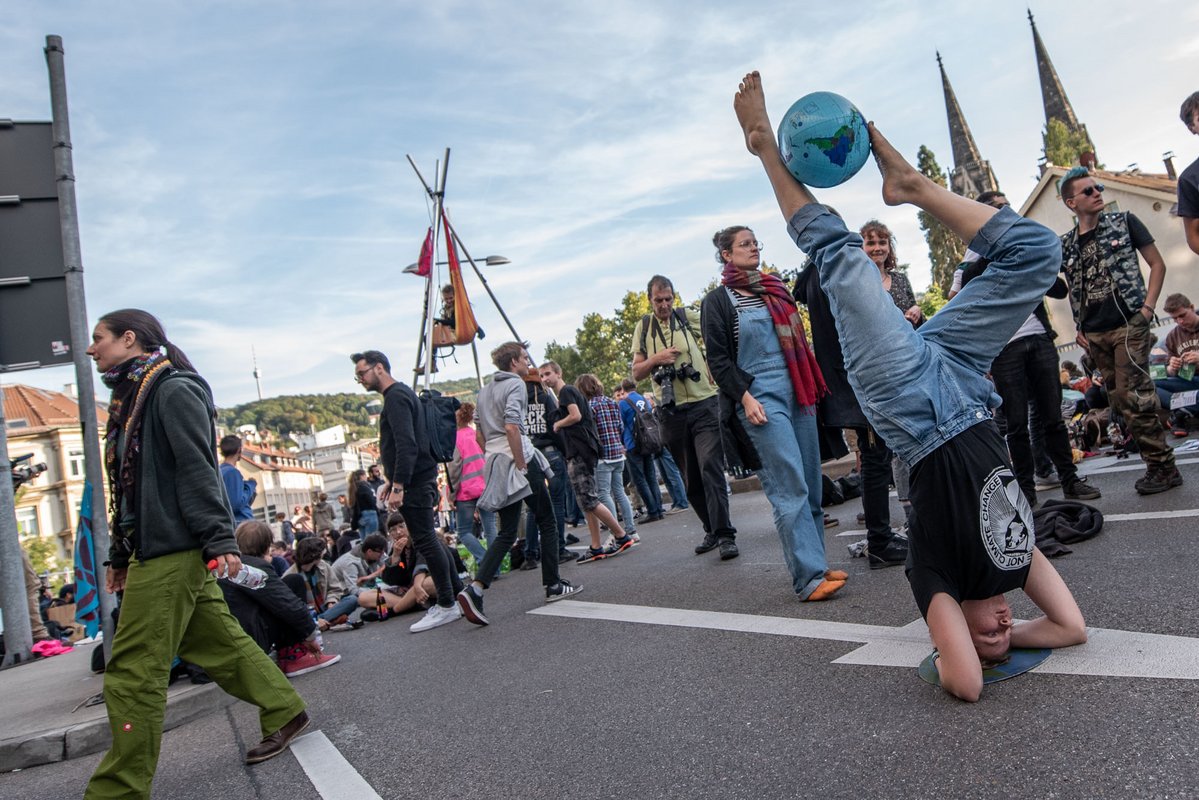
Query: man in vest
[666, 348]
[1113, 308]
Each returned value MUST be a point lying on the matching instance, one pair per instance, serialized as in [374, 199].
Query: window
[27, 526]
[75, 462]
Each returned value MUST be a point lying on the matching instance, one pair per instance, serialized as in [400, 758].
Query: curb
[93, 736]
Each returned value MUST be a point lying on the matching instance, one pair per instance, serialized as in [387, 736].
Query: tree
[42, 552]
[945, 249]
[932, 301]
[1064, 146]
[603, 345]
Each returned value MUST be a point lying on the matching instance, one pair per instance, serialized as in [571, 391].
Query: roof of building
[31, 407]
[267, 458]
[1160, 186]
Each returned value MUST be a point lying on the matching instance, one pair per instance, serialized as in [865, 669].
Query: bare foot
[750, 105]
[901, 182]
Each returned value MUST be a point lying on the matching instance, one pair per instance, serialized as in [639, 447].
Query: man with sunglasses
[1113, 310]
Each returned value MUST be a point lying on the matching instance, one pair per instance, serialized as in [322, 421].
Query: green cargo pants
[173, 606]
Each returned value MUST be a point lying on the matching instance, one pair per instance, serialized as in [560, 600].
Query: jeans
[1168, 386]
[558, 486]
[368, 522]
[693, 432]
[541, 507]
[466, 527]
[926, 386]
[345, 605]
[674, 481]
[645, 478]
[609, 477]
[789, 447]
[419, 501]
[1026, 371]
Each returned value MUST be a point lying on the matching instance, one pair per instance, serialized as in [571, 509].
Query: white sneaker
[435, 617]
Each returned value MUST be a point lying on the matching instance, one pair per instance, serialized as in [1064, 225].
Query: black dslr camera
[22, 472]
[666, 373]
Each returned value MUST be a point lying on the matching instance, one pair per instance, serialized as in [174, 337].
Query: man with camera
[666, 347]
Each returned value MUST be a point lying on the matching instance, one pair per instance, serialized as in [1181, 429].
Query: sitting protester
[281, 557]
[359, 567]
[323, 589]
[405, 580]
[275, 615]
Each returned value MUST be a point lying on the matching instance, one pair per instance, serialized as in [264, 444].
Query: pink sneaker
[308, 662]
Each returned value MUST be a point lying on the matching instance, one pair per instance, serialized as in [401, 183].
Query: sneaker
[618, 546]
[435, 617]
[592, 554]
[1079, 489]
[893, 555]
[636, 537]
[339, 627]
[830, 521]
[709, 543]
[470, 605]
[861, 518]
[1159, 479]
[1178, 424]
[728, 549]
[857, 549]
[566, 556]
[531, 563]
[653, 518]
[1049, 481]
[572, 539]
[309, 662]
[561, 589]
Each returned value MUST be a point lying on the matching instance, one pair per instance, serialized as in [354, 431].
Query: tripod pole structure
[483, 280]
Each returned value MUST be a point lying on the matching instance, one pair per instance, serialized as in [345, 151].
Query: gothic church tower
[1053, 94]
[971, 175]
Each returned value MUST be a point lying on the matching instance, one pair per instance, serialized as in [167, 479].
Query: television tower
[257, 372]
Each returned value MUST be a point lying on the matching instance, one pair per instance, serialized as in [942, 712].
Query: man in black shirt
[539, 419]
[971, 535]
[411, 472]
[1188, 182]
[1113, 310]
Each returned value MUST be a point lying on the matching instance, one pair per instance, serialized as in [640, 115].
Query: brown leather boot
[278, 741]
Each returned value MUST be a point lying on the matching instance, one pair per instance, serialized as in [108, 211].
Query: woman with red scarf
[760, 359]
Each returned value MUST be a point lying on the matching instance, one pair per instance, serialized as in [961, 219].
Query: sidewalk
[40, 725]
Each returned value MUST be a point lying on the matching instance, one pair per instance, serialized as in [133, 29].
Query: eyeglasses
[752, 243]
[359, 373]
[1091, 190]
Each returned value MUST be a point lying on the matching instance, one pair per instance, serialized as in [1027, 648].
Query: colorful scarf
[788, 326]
[130, 383]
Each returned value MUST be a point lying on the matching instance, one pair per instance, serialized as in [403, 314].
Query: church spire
[971, 175]
[1053, 94]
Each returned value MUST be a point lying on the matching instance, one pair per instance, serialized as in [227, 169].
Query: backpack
[649, 438]
[679, 315]
[441, 424]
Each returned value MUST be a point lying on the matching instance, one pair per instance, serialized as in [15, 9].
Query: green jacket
[181, 501]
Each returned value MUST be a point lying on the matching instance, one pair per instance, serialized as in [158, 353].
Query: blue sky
[241, 166]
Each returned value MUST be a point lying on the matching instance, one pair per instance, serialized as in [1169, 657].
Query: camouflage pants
[1122, 357]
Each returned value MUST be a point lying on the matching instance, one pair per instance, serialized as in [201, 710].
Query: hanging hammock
[461, 328]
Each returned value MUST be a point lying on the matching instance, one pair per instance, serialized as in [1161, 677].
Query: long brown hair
[874, 226]
[148, 331]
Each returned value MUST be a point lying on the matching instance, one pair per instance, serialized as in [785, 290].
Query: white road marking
[1111, 653]
[333, 777]
[1182, 512]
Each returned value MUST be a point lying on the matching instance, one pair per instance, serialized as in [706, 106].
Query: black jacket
[181, 501]
[839, 408]
[403, 439]
[256, 608]
[716, 321]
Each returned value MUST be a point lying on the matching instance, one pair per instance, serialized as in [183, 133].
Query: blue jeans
[609, 481]
[1168, 386]
[673, 479]
[645, 478]
[789, 447]
[368, 522]
[345, 605]
[923, 387]
[558, 486]
[466, 527]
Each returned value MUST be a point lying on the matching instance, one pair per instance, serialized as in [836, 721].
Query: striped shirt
[740, 301]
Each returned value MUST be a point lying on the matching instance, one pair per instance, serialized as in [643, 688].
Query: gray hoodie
[502, 402]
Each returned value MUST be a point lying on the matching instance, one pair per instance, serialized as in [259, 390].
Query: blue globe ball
[823, 139]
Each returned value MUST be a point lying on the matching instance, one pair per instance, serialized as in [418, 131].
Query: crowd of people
[734, 381]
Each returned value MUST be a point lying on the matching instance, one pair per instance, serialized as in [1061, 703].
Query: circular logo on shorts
[1005, 521]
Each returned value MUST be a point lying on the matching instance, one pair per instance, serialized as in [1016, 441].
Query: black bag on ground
[440, 423]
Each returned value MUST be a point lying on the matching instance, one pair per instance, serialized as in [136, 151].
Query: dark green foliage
[945, 249]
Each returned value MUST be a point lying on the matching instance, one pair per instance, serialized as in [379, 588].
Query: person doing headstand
[971, 535]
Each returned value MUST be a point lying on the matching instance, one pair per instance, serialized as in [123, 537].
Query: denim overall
[789, 448]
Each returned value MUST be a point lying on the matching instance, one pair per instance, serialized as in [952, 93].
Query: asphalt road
[545, 707]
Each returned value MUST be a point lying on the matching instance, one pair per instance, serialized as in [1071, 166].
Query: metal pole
[18, 632]
[438, 210]
[64, 170]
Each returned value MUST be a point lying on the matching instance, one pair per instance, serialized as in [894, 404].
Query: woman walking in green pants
[169, 518]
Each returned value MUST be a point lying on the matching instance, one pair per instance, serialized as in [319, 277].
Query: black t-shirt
[971, 535]
[580, 440]
[1104, 310]
[539, 419]
[1188, 191]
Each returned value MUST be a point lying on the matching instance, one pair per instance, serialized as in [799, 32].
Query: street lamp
[491, 261]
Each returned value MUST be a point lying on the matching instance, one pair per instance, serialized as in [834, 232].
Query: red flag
[425, 264]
